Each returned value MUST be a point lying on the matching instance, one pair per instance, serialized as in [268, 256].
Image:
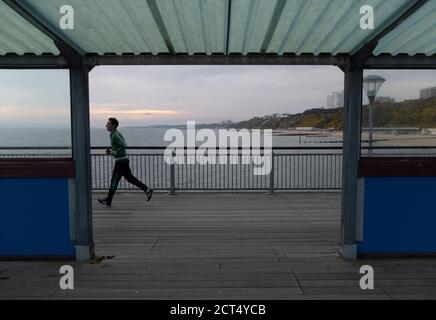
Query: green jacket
[118, 145]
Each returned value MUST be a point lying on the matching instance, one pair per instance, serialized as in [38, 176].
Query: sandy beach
[400, 140]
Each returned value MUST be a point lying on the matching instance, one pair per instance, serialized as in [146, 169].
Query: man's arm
[117, 145]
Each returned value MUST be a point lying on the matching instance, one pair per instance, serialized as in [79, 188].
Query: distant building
[335, 100]
[384, 99]
[427, 93]
[338, 99]
[330, 103]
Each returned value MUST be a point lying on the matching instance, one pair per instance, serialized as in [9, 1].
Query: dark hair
[114, 122]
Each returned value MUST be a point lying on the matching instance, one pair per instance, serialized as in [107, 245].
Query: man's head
[112, 124]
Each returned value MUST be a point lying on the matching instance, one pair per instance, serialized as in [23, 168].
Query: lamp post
[371, 85]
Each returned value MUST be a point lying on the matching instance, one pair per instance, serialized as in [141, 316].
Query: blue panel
[34, 217]
[399, 215]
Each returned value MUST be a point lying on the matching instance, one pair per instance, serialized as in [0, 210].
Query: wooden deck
[220, 246]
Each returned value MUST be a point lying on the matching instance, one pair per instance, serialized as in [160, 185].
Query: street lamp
[371, 85]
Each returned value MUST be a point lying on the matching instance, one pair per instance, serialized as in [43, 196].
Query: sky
[152, 95]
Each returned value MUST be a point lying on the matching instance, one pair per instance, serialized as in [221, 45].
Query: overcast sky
[149, 95]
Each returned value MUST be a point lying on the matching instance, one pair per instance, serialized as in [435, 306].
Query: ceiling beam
[401, 62]
[374, 62]
[278, 10]
[251, 59]
[32, 62]
[229, 21]
[158, 19]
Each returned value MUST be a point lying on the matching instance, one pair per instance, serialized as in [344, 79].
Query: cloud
[20, 113]
[14, 116]
[143, 112]
[6, 110]
[215, 93]
[134, 115]
[144, 95]
[129, 111]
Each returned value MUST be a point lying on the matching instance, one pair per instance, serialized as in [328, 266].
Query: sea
[135, 137]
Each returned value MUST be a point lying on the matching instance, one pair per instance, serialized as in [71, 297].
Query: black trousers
[122, 169]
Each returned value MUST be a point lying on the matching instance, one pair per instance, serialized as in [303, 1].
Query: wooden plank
[220, 246]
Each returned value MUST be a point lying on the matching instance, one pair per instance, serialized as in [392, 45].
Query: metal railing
[292, 168]
[297, 168]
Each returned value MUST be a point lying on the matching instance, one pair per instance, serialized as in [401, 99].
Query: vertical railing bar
[240, 177]
[297, 157]
[294, 156]
[331, 172]
[312, 185]
[173, 175]
[280, 172]
[307, 172]
[323, 170]
[95, 179]
[153, 169]
[98, 162]
[300, 172]
[229, 169]
[292, 168]
[307, 178]
[319, 172]
[161, 178]
[271, 175]
[105, 172]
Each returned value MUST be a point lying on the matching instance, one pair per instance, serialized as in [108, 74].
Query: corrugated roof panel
[215, 24]
[195, 26]
[313, 25]
[141, 26]
[306, 23]
[171, 17]
[201, 26]
[284, 25]
[324, 26]
[104, 26]
[19, 36]
[250, 21]
[183, 21]
[239, 18]
[355, 37]
[415, 35]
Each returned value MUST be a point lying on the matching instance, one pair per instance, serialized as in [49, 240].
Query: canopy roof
[226, 27]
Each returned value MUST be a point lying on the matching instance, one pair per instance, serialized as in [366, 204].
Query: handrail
[228, 148]
[35, 148]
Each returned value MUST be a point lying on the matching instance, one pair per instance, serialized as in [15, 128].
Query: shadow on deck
[220, 246]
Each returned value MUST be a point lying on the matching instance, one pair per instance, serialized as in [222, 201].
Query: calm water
[49, 137]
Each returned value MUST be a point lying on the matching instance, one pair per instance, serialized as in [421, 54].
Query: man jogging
[122, 167]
